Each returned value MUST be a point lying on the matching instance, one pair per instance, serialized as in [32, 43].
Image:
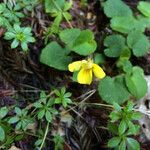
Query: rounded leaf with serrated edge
[114, 8]
[115, 44]
[81, 42]
[55, 56]
[113, 90]
[136, 83]
[138, 42]
[123, 24]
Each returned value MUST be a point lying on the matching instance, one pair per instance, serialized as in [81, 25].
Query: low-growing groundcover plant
[54, 82]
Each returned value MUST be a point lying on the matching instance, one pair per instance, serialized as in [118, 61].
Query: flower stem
[45, 135]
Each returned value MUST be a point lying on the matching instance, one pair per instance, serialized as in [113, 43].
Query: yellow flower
[86, 70]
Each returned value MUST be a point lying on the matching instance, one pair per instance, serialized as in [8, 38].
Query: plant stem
[99, 104]
[70, 25]
[45, 135]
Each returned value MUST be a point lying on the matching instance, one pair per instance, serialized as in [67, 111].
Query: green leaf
[58, 101]
[68, 94]
[48, 116]
[114, 8]
[85, 43]
[112, 127]
[2, 134]
[68, 36]
[17, 28]
[115, 44]
[113, 90]
[125, 54]
[113, 142]
[122, 127]
[24, 46]
[125, 65]
[18, 111]
[75, 75]
[3, 112]
[133, 129]
[55, 56]
[55, 26]
[38, 142]
[18, 126]
[68, 100]
[123, 24]
[136, 115]
[142, 23]
[67, 5]
[114, 116]
[67, 15]
[51, 6]
[63, 91]
[81, 42]
[124, 62]
[122, 146]
[129, 106]
[38, 105]
[14, 44]
[133, 144]
[144, 8]
[117, 107]
[13, 120]
[136, 83]
[99, 58]
[138, 42]
[9, 35]
[59, 142]
[4, 22]
[64, 103]
[41, 114]
[2, 7]
[43, 97]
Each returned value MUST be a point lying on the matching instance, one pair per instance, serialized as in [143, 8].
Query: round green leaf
[123, 24]
[113, 90]
[115, 8]
[85, 43]
[81, 42]
[136, 83]
[138, 42]
[55, 56]
[68, 36]
[115, 44]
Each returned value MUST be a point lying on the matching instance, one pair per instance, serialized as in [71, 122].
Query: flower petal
[75, 66]
[85, 76]
[98, 71]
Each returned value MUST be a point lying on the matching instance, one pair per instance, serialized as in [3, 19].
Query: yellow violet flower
[86, 70]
